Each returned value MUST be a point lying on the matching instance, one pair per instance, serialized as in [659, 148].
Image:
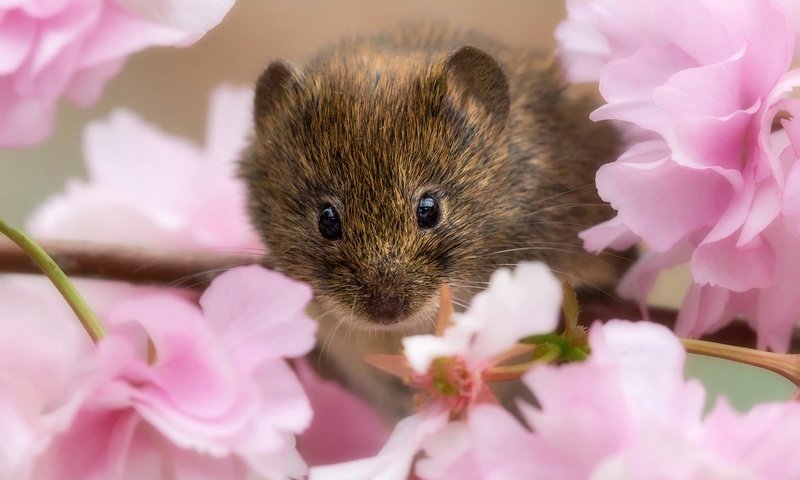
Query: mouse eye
[330, 226]
[427, 211]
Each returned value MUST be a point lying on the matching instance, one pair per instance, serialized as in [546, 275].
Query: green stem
[514, 372]
[67, 289]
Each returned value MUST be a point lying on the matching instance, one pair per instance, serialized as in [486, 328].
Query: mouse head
[374, 178]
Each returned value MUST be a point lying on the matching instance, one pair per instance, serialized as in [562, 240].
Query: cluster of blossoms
[705, 179]
[198, 391]
[55, 48]
[624, 413]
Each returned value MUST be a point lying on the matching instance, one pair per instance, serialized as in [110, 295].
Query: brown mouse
[390, 165]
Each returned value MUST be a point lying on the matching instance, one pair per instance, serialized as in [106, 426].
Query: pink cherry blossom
[625, 413]
[147, 188]
[514, 306]
[704, 181]
[70, 48]
[45, 362]
[337, 410]
[174, 391]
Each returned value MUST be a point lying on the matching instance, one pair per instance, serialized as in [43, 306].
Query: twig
[784, 364]
[197, 268]
[136, 265]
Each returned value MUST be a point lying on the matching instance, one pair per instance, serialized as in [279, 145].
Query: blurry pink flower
[337, 410]
[450, 367]
[701, 82]
[52, 48]
[182, 392]
[45, 362]
[147, 188]
[792, 9]
[625, 413]
[516, 305]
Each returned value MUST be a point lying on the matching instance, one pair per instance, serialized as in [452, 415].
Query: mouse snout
[387, 308]
[385, 299]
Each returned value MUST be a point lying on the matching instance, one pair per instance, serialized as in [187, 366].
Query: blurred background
[169, 87]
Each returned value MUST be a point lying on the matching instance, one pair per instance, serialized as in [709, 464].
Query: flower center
[447, 380]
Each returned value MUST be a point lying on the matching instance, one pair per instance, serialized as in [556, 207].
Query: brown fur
[370, 125]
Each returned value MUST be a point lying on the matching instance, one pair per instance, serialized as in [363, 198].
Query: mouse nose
[387, 309]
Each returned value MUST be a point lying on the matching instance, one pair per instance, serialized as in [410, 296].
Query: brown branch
[605, 308]
[136, 265]
[194, 269]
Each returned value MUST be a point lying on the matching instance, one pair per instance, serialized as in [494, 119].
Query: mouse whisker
[565, 205]
[202, 277]
[556, 222]
[566, 192]
[326, 343]
[565, 248]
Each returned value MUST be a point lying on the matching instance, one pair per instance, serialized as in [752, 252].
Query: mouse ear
[473, 75]
[273, 88]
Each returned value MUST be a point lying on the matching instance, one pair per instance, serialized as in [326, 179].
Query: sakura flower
[147, 188]
[55, 48]
[45, 363]
[625, 413]
[700, 81]
[337, 410]
[185, 392]
[450, 367]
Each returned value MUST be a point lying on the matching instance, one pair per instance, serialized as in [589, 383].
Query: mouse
[391, 164]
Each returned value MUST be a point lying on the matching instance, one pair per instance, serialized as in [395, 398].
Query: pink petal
[703, 311]
[393, 462]
[613, 234]
[337, 410]
[85, 87]
[123, 153]
[260, 313]
[195, 16]
[118, 33]
[650, 360]
[503, 448]
[93, 449]
[17, 37]
[737, 268]
[448, 454]
[516, 305]
[627, 84]
[597, 424]
[23, 121]
[57, 33]
[229, 123]
[761, 440]
[643, 182]
[639, 280]
[150, 189]
[778, 307]
[286, 405]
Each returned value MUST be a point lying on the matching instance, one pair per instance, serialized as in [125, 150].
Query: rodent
[426, 155]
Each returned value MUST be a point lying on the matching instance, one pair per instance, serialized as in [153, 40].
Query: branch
[192, 269]
[195, 269]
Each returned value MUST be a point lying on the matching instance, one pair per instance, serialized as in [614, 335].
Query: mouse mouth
[388, 314]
